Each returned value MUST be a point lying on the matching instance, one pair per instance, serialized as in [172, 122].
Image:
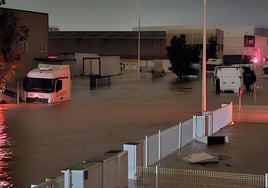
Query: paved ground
[246, 151]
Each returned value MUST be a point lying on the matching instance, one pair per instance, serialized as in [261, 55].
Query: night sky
[123, 15]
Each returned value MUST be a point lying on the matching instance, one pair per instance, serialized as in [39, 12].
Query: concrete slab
[244, 153]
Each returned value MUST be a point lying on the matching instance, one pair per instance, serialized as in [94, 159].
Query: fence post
[180, 129]
[210, 123]
[67, 178]
[78, 178]
[131, 148]
[146, 151]
[266, 180]
[194, 126]
[103, 173]
[159, 145]
[156, 176]
[231, 111]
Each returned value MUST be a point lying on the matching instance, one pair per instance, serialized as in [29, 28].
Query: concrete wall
[234, 45]
[125, 47]
[238, 30]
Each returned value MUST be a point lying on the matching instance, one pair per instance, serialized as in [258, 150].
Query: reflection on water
[5, 154]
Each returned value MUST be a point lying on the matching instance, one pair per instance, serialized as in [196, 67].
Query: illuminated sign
[249, 41]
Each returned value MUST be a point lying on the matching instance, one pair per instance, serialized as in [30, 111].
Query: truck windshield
[38, 85]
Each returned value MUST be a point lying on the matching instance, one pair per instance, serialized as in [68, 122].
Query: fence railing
[156, 177]
[164, 143]
[106, 171]
[221, 117]
[49, 183]
[209, 123]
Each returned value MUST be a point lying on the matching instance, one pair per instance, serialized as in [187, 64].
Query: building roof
[24, 11]
[106, 34]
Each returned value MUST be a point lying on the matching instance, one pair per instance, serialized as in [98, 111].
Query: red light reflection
[5, 154]
[232, 123]
[52, 57]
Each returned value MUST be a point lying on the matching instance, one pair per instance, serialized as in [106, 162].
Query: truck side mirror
[58, 85]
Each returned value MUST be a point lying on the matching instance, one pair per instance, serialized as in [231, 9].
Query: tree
[10, 35]
[182, 56]
[212, 47]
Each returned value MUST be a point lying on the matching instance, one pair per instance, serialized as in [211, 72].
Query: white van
[228, 79]
[47, 84]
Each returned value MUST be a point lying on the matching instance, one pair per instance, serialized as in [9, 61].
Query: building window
[23, 46]
[43, 47]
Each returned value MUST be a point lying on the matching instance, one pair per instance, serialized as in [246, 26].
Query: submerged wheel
[218, 89]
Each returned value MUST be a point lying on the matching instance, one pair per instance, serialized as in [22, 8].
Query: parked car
[265, 71]
[8, 96]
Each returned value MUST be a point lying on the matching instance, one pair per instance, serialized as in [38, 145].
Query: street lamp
[204, 70]
[139, 39]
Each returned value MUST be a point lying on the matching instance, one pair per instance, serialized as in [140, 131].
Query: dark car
[249, 75]
[8, 96]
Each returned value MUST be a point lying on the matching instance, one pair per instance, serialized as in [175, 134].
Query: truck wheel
[218, 90]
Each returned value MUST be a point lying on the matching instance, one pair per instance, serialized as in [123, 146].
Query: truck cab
[47, 84]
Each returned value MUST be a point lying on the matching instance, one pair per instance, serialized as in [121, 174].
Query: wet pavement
[44, 139]
[245, 153]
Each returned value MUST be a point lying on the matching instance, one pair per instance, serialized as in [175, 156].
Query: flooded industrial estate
[37, 141]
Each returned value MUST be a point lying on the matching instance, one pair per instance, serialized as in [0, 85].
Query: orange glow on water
[5, 153]
[232, 123]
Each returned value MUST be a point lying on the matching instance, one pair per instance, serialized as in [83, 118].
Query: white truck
[228, 79]
[102, 66]
[47, 84]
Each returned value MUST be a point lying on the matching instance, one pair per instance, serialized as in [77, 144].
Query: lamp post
[204, 70]
[139, 39]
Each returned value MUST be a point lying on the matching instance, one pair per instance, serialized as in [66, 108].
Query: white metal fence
[221, 117]
[114, 169]
[155, 177]
[51, 183]
[166, 142]
[106, 171]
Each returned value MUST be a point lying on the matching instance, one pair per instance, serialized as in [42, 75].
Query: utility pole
[204, 69]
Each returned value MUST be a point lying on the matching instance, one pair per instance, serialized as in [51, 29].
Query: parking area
[245, 152]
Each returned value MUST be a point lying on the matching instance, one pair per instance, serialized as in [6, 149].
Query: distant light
[52, 57]
[255, 60]
[240, 92]
[232, 123]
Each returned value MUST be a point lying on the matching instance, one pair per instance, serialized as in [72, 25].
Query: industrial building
[233, 42]
[36, 43]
